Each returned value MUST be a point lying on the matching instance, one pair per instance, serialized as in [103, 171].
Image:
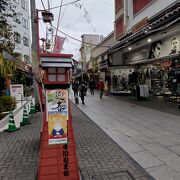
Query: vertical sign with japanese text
[57, 115]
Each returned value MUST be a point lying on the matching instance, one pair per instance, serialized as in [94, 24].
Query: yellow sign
[57, 115]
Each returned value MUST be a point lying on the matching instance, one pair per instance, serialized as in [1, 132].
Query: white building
[89, 41]
[20, 23]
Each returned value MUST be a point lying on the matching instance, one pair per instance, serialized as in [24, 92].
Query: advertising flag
[59, 41]
[57, 115]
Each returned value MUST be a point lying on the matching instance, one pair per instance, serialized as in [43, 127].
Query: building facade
[147, 31]
[100, 62]
[21, 27]
[89, 41]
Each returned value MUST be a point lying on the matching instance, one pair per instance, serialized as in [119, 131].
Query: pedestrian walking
[92, 86]
[100, 87]
[82, 91]
[75, 87]
[86, 85]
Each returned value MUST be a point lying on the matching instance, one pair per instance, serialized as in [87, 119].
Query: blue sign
[7, 92]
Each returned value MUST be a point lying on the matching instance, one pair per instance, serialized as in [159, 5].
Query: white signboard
[16, 90]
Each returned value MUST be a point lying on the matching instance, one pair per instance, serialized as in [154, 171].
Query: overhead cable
[43, 4]
[60, 7]
[63, 5]
[78, 39]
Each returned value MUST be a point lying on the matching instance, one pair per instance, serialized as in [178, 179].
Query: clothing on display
[144, 91]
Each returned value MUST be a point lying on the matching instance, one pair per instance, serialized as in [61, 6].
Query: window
[26, 59]
[17, 38]
[16, 1]
[17, 17]
[118, 4]
[119, 26]
[23, 4]
[139, 4]
[25, 41]
[56, 74]
[18, 55]
[25, 23]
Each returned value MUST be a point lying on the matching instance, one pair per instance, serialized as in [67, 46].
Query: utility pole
[34, 46]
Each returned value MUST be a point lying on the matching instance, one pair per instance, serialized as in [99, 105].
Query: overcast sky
[94, 17]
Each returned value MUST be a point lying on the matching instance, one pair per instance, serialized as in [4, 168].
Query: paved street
[19, 151]
[99, 156]
[150, 137]
[109, 133]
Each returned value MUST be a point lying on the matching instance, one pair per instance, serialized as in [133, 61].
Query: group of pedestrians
[80, 89]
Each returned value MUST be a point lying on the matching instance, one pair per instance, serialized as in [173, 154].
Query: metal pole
[34, 46]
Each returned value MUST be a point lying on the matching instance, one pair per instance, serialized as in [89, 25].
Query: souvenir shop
[146, 60]
[155, 69]
[119, 79]
[118, 74]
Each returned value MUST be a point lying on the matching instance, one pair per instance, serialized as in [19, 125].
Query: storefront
[148, 57]
[119, 79]
[156, 65]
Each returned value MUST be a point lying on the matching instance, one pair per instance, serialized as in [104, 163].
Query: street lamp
[43, 41]
[47, 16]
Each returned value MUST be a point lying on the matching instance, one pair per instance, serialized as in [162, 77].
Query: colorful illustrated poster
[57, 115]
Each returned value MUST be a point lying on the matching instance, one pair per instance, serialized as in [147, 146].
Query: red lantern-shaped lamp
[57, 70]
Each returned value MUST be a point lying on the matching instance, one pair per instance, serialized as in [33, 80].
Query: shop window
[139, 4]
[118, 5]
[119, 25]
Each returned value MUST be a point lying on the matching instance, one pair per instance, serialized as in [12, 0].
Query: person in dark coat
[92, 86]
[82, 91]
[75, 86]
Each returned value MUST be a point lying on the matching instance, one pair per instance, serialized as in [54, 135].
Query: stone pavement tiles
[99, 157]
[19, 151]
[149, 136]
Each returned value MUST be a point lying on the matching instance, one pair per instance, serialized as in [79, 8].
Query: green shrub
[27, 91]
[7, 103]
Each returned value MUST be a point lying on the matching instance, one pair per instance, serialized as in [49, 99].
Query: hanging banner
[57, 115]
[59, 41]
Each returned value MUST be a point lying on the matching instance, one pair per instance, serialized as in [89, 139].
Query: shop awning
[147, 61]
[56, 62]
